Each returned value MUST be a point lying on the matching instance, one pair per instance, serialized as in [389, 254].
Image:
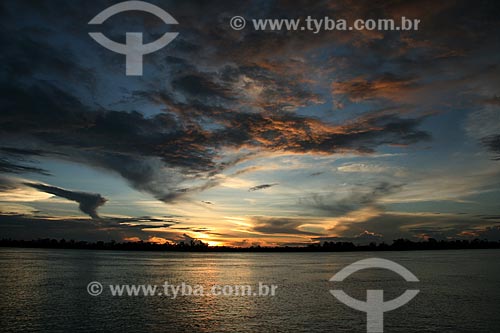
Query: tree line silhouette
[199, 246]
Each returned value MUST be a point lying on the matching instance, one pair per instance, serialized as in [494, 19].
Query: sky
[244, 137]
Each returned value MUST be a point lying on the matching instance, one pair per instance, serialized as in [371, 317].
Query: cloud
[336, 204]
[387, 87]
[261, 187]
[394, 225]
[483, 122]
[360, 168]
[142, 222]
[484, 126]
[200, 86]
[201, 112]
[495, 100]
[364, 238]
[88, 202]
[275, 132]
[28, 227]
[11, 190]
[280, 225]
[368, 168]
[7, 166]
[493, 144]
[490, 233]
[12, 160]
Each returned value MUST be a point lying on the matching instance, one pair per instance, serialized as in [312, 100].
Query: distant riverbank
[198, 246]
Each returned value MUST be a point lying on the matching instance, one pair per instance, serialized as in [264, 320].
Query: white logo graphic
[133, 49]
[374, 305]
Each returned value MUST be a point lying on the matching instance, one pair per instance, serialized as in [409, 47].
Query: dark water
[46, 290]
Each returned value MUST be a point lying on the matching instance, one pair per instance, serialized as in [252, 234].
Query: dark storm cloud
[261, 187]
[88, 202]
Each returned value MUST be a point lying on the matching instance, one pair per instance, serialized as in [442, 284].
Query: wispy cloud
[261, 187]
[335, 204]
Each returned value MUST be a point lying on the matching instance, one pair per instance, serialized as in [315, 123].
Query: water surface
[46, 290]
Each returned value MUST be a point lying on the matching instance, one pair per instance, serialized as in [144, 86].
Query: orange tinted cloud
[359, 89]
